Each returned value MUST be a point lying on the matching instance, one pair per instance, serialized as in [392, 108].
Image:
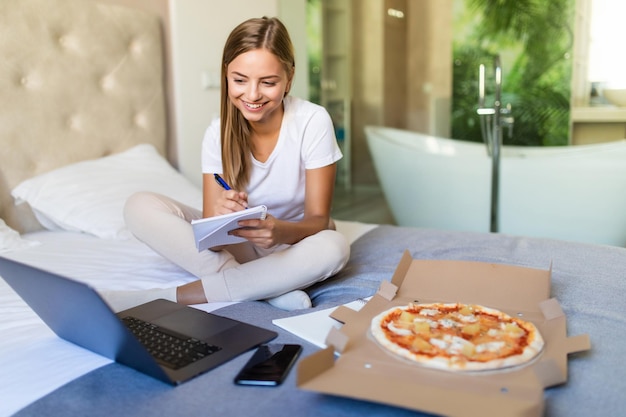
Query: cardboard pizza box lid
[365, 371]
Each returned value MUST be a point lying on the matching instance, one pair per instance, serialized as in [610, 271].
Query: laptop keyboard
[168, 348]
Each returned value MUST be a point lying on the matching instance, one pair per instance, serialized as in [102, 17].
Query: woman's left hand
[262, 233]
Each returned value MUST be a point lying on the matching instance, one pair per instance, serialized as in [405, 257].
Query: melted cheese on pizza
[459, 333]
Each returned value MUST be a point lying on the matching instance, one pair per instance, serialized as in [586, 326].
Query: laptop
[77, 313]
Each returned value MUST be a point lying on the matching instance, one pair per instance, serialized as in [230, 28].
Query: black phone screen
[269, 365]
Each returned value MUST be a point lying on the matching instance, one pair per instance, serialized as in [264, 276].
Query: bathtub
[575, 193]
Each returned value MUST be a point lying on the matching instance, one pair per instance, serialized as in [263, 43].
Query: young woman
[271, 149]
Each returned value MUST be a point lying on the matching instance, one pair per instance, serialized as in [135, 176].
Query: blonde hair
[258, 33]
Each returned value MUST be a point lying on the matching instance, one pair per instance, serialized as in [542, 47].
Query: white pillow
[89, 196]
[11, 240]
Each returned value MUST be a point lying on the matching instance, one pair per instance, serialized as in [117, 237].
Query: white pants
[243, 272]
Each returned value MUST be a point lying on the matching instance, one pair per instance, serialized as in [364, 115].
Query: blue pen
[221, 182]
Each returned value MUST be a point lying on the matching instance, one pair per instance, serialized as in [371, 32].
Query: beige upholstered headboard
[78, 80]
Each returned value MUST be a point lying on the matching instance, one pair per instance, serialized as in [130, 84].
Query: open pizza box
[364, 370]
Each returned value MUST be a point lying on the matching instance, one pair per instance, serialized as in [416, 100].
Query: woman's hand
[216, 200]
[229, 201]
[262, 233]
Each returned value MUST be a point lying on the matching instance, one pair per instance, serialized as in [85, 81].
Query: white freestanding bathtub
[573, 193]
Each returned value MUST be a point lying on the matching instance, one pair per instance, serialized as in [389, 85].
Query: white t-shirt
[306, 141]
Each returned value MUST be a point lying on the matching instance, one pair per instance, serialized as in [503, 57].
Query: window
[607, 61]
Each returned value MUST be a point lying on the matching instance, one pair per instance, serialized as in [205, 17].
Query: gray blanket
[589, 281]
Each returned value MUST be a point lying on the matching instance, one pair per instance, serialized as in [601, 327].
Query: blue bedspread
[589, 281]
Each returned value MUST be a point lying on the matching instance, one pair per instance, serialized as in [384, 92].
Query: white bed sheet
[33, 360]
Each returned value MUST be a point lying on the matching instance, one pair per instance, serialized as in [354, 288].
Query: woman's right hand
[216, 200]
[229, 201]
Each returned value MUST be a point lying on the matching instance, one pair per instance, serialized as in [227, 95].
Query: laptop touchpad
[195, 323]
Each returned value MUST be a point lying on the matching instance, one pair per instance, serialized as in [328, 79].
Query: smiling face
[257, 84]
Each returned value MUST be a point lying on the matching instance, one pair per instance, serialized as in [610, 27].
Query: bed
[82, 125]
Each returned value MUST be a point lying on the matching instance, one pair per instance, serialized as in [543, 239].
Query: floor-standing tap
[491, 124]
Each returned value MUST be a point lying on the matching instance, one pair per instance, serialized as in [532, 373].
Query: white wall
[199, 30]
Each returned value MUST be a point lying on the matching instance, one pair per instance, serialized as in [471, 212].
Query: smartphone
[269, 365]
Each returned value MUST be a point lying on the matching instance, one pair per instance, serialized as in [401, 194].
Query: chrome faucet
[492, 119]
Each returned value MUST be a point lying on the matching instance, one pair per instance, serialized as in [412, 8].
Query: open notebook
[215, 231]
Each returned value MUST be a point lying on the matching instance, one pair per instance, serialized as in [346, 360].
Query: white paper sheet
[314, 327]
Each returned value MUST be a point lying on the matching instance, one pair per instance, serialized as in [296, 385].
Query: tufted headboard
[78, 80]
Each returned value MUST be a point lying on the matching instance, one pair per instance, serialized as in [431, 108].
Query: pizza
[457, 337]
